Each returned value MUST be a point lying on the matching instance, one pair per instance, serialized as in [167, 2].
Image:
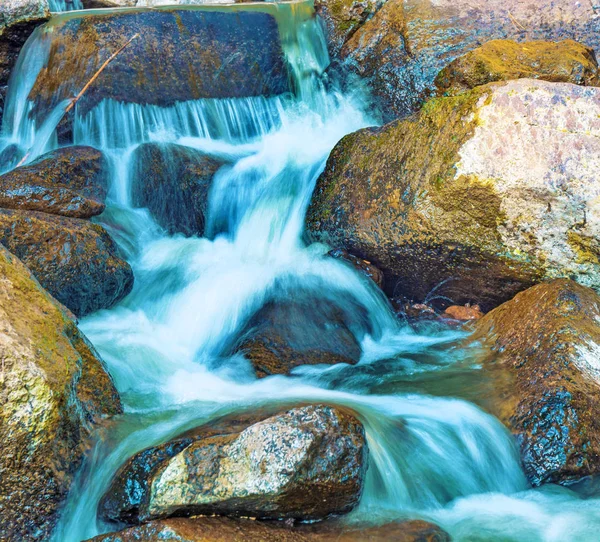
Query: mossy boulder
[305, 330]
[502, 60]
[542, 351]
[306, 463]
[474, 198]
[72, 182]
[53, 388]
[403, 47]
[75, 260]
[181, 54]
[173, 182]
[217, 529]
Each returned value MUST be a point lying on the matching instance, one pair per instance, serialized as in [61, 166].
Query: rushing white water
[166, 344]
[65, 5]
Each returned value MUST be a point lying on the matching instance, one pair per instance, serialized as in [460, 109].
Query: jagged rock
[72, 181]
[75, 260]
[305, 330]
[203, 54]
[230, 530]
[473, 199]
[173, 181]
[306, 463]
[542, 350]
[502, 60]
[53, 387]
[404, 46]
[18, 19]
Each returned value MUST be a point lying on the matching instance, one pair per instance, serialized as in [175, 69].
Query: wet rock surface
[306, 330]
[53, 387]
[363, 266]
[203, 54]
[173, 182]
[404, 46]
[71, 182]
[305, 463]
[230, 530]
[75, 260]
[542, 349]
[502, 60]
[473, 199]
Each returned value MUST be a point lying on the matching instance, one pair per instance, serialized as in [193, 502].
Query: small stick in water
[90, 82]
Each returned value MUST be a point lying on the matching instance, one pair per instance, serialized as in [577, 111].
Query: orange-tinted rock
[75, 260]
[543, 350]
[72, 182]
[463, 313]
[53, 388]
[229, 530]
[502, 60]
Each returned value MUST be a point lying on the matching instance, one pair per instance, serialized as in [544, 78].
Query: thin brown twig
[516, 23]
[96, 75]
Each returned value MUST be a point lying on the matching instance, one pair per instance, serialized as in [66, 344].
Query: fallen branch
[96, 75]
[516, 23]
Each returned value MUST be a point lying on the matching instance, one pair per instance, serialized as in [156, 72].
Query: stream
[433, 452]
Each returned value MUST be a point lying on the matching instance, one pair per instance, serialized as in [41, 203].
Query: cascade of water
[65, 5]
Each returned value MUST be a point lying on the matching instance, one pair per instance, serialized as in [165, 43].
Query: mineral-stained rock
[173, 181]
[75, 260]
[404, 46]
[203, 529]
[365, 267]
[202, 53]
[502, 60]
[53, 387]
[474, 198]
[542, 348]
[305, 330]
[305, 463]
[72, 181]
[462, 313]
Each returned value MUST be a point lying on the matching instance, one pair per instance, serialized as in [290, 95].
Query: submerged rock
[72, 182]
[502, 60]
[75, 260]
[181, 54]
[18, 19]
[173, 182]
[305, 330]
[215, 529]
[473, 199]
[307, 463]
[543, 351]
[403, 47]
[53, 386]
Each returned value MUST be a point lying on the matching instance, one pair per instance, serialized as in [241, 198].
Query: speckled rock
[72, 181]
[342, 18]
[543, 349]
[473, 199]
[173, 181]
[407, 43]
[75, 260]
[363, 266]
[203, 54]
[502, 60]
[216, 529]
[18, 19]
[305, 330]
[306, 463]
[53, 388]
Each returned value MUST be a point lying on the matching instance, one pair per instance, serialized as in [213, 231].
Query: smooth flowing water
[432, 454]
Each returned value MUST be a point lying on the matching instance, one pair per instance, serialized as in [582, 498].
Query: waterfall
[65, 5]
[166, 343]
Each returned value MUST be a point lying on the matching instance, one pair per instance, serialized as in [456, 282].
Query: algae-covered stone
[501, 60]
[72, 181]
[75, 260]
[180, 54]
[216, 529]
[53, 387]
[305, 463]
[173, 182]
[401, 50]
[543, 350]
[474, 198]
